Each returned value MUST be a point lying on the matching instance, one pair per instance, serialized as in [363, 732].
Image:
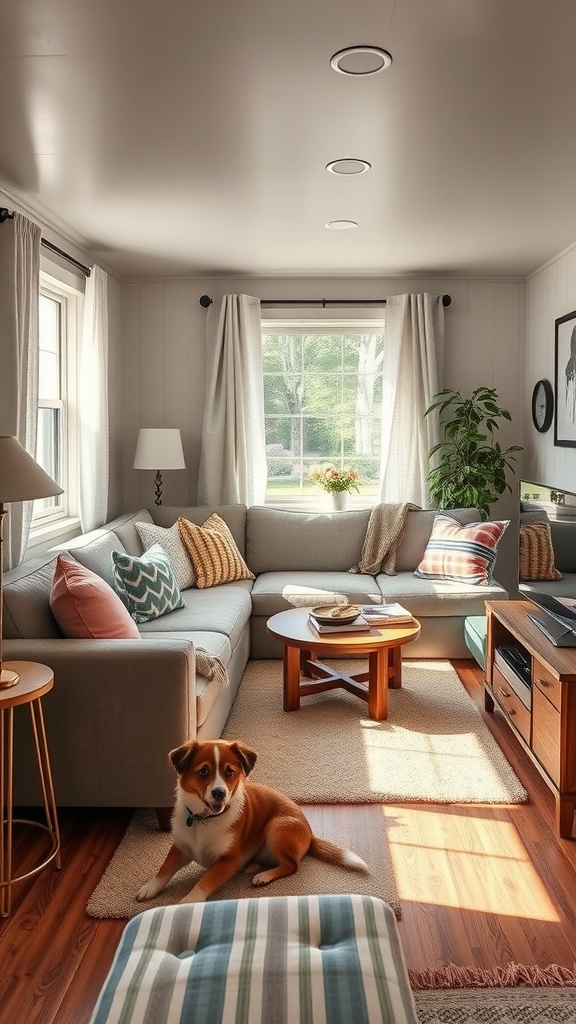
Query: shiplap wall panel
[131, 359]
[176, 384]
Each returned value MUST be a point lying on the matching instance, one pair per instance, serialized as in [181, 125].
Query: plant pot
[340, 501]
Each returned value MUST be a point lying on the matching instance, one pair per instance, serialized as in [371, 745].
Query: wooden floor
[479, 886]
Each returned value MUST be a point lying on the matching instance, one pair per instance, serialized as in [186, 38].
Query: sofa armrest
[119, 706]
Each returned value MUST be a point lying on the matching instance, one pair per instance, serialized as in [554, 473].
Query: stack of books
[392, 614]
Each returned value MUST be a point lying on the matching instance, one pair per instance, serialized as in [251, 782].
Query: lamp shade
[21, 478]
[159, 448]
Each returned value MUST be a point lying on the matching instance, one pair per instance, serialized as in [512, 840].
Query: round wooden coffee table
[382, 646]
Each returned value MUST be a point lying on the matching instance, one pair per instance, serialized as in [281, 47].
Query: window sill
[44, 537]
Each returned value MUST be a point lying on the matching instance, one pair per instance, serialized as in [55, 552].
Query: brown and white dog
[225, 822]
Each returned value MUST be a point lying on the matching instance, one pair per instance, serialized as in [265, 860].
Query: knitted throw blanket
[209, 666]
[384, 533]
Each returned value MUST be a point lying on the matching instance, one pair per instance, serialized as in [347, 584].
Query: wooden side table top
[35, 680]
[294, 629]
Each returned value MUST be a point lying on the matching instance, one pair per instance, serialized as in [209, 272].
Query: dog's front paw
[150, 889]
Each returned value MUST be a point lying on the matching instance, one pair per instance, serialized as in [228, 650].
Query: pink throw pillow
[86, 607]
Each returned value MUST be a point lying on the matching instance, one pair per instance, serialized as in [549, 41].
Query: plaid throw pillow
[213, 552]
[464, 554]
[537, 553]
[147, 585]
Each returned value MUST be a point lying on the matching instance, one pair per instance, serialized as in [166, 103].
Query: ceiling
[190, 137]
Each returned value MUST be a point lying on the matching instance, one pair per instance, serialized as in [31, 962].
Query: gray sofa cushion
[225, 609]
[438, 598]
[27, 611]
[125, 529]
[278, 540]
[276, 591]
[97, 555]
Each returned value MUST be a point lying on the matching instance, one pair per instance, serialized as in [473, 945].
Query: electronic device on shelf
[557, 621]
[518, 659]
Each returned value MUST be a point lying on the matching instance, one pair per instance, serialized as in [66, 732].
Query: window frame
[323, 324]
[65, 513]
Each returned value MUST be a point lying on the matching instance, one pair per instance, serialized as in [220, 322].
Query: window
[322, 404]
[56, 440]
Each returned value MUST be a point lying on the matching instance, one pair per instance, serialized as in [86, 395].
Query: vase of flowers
[337, 482]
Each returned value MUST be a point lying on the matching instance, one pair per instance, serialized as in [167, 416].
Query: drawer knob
[543, 682]
[504, 693]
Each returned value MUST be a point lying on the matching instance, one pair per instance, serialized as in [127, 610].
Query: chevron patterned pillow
[146, 584]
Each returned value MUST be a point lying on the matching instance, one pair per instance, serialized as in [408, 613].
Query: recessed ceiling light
[348, 166]
[361, 60]
[341, 225]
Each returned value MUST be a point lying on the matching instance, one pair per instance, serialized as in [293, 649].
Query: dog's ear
[246, 756]
[183, 756]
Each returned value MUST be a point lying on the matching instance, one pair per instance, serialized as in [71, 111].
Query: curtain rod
[7, 215]
[206, 301]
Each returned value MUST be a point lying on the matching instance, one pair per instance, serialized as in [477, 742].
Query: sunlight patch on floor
[467, 861]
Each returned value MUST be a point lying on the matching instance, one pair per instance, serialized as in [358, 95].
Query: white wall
[163, 342]
[550, 293]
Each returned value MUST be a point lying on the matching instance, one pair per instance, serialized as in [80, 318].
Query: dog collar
[193, 818]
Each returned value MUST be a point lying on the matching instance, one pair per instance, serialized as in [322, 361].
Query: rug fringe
[511, 976]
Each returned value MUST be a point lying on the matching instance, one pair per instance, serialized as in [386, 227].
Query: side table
[35, 681]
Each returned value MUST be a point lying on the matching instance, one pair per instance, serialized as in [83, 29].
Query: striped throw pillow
[147, 585]
[536, 553]
[213, 552]
[464, 554]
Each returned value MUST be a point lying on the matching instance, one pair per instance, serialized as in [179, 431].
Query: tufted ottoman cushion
[266, 960]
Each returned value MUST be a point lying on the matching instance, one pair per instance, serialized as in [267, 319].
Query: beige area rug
[497, 1006]
[434, 746]
[143, 849]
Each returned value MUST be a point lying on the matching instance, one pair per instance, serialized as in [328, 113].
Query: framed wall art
[565, 381]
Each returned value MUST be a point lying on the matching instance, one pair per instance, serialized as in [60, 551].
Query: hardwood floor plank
[480, 885]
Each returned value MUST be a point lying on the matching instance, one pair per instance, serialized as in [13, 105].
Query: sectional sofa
[119, 705]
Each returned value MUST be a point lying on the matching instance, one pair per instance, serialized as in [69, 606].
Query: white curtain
[93, 403]
[19, 295]
[412, 368]
[233, 454]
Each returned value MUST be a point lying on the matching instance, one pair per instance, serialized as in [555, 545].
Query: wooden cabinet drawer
[546, 682]
[546, 734]
[511, 704]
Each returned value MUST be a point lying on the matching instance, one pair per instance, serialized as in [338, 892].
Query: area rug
[143, 849]
[434, 746]
[497, 1006]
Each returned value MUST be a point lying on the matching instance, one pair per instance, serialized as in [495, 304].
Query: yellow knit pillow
[213, 552]
[537, 553]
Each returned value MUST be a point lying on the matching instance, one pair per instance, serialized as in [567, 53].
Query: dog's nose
[218, 793]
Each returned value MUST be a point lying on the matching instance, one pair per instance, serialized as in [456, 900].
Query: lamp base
[8, 678]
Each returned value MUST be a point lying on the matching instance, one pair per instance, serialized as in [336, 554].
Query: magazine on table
[381, 614]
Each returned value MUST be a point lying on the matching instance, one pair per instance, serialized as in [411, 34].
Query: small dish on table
[331, 615]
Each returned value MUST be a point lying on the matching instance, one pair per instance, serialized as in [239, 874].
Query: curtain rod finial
[205, 301]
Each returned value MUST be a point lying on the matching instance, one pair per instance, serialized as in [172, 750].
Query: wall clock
[542, 405]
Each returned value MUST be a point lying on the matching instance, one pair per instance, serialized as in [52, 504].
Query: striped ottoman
[266, 960]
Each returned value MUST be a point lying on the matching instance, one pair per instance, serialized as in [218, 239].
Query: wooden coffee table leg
[378, 684]
[291, 678]
[395, 669]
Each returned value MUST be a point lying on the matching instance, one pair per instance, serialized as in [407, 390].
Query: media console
[541, 710]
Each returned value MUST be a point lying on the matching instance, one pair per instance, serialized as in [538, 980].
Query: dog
[227, 823]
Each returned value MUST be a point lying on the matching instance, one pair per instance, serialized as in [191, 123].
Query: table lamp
[21, 479]
[159, 449]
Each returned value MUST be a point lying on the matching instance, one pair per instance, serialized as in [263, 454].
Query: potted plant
[471, 471]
